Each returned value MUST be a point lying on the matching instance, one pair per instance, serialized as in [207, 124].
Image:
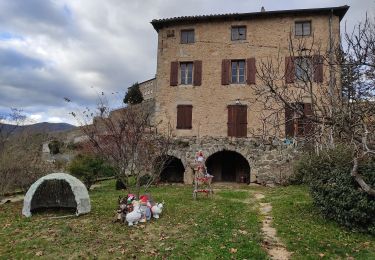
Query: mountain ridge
[43, 127]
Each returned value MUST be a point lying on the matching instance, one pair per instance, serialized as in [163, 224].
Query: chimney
[262, 9]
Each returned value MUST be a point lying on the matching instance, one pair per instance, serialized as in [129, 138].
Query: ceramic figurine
[122, 210]
[135, 216]
[157, 209]
[143, 207]
[199, 157]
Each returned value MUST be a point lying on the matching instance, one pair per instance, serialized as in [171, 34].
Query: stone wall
[267, 37]
[269, 163]
[148, 89]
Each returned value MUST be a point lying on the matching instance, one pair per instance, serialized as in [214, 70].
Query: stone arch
[229, 165]
[240, 151]
[180, 156]
[173, 170]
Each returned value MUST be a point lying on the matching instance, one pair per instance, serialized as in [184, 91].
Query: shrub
[120, 185]
[144, 179]
[335, 192]
[89, 168]
[54, 147]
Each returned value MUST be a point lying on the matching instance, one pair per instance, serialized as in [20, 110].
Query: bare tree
[128, 140]
[20, 154]
[339, 108]
[14, 119]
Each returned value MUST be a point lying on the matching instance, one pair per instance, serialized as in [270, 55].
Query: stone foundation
[269, 163]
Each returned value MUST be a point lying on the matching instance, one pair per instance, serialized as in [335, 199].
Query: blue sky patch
[5, 36]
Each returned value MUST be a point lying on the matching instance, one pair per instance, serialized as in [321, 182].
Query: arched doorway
[228, 166]
[173, 170]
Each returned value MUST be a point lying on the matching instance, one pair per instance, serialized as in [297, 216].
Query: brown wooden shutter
[237, 120]
[188, 117]
[308, 124]
[184, 116]
[289, 70]
[231, 120]
[289, 124]
[174, 73]
[180, 117]
[241, 121]
[225, 69]
[251, 71]
[318, 68]
[197, 80]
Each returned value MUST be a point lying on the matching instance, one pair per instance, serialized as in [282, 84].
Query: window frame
[302, 30]
[187, 31]
[184, 80]
[234, 27]
[238, 75]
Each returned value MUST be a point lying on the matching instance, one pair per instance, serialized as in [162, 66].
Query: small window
[303, 28]
[184, 116]
[186, 73]
[238, 71]
[303, 68]
[238, 33]
[187, 36]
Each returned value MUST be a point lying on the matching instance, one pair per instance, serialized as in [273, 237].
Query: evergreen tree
[134, 95]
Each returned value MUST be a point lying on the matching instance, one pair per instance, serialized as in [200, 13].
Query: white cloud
[35, 117]
[88, 46]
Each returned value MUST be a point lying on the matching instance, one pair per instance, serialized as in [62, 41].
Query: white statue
[157, 209]
[133, 217]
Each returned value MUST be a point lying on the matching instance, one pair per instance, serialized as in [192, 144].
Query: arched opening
[53, 194]
[172, 171]
[228, 166]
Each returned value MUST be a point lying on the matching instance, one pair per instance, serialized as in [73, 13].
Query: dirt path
[272, 244]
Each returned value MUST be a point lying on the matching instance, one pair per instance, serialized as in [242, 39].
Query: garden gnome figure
[143, 206]
[199, 157]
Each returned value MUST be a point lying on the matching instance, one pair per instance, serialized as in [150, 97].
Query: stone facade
[269, 163]
[267, 36]
[148, 89]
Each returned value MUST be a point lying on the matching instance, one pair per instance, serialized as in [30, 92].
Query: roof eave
[160, 23]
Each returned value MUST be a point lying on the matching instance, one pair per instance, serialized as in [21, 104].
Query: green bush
[89, 168]
[144, 179]
[54, 147]
[335, 192]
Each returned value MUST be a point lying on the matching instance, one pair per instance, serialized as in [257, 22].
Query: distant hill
[38, 128]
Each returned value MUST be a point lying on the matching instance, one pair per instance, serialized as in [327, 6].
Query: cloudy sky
[51, 49]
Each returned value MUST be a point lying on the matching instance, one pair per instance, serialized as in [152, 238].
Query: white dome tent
[59, 190]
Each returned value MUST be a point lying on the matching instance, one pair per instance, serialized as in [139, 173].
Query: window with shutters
[238, 33]
[302, 28]
[238, 71]
[186, 69]
[297, 123]
[184, 116]
[303, 68]
[187, 36]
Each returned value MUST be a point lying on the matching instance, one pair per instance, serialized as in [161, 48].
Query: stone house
[205, 68]
[148, 89]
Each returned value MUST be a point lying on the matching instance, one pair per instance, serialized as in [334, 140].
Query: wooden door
[237, 120]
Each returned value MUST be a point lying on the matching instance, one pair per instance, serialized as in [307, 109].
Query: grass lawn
[207, 229]
[223, 227]
[307, 234]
